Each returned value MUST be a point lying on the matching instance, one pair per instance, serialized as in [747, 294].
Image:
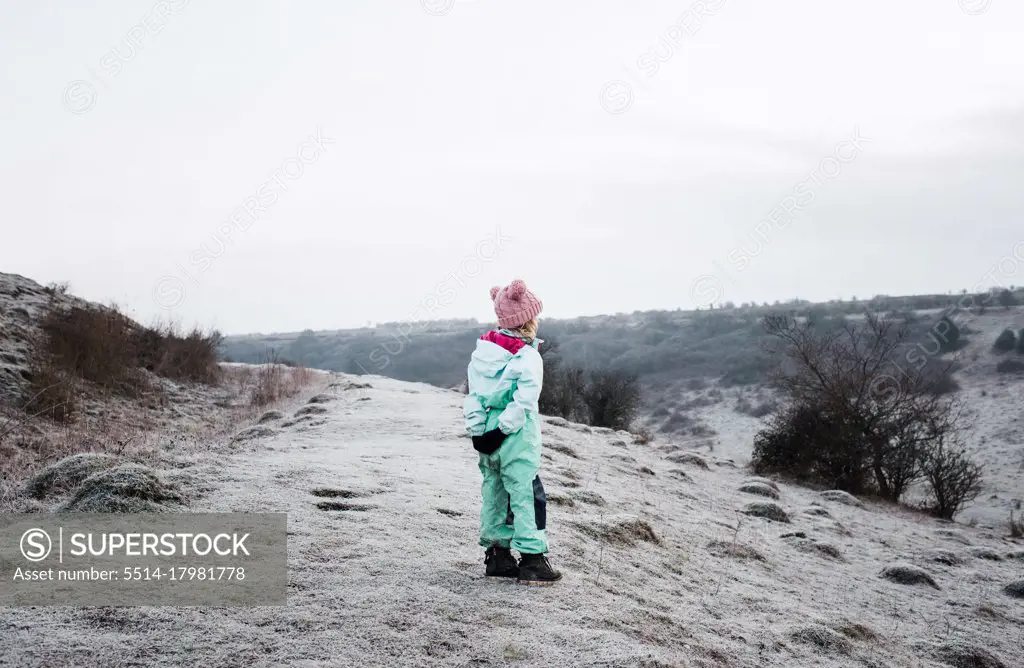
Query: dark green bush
[812, 444]
[1006, 341]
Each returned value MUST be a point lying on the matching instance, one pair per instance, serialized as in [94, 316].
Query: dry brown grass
[51, 394]
[92, 383]
[166, 426]
[190, 356]
[91, 343]
[100, 383]
[620, 532]
[275, 381]
[105, 348]
[736, 550]
[30, 443]
[643, 436]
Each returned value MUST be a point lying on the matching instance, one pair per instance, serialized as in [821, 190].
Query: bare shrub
[51, 393]
[564, 385]
[953, 478]
[613, 398]
[301, 377]
[188, 357]
[857, 420]
[603, 398]
[269, 386]
[92, 343]
[103, 347]
[563, 392]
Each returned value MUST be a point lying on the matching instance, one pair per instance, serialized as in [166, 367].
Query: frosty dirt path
[381, 489]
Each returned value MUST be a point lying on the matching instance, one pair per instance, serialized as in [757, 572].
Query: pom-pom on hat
[515, 305]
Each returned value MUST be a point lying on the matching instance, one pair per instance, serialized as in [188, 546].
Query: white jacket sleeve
[528, 370]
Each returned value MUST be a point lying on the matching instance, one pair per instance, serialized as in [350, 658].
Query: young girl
[505, 377]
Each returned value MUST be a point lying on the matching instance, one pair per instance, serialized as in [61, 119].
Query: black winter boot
[500, 563]
[534, 569]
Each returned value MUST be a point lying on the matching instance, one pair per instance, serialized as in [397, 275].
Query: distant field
[663, 348]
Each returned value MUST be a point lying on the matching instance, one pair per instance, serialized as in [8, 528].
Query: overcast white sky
[448, 126]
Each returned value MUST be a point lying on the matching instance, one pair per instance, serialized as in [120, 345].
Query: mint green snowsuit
[504, 389]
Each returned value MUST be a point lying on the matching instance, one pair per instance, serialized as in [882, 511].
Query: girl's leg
[526, 493]
[540, 504]
[493, 513]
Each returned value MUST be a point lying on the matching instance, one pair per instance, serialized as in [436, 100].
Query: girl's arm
[528, 367]
[476, 416]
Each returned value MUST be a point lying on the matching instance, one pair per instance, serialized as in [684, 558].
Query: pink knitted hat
[515, 305]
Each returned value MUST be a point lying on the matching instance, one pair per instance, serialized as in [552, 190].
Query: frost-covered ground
[661, 566]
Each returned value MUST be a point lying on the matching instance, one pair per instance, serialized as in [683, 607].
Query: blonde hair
[528, 329]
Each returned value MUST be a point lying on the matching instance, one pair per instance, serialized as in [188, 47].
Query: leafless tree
[873, 405]
[613, 398]
[954, 479]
